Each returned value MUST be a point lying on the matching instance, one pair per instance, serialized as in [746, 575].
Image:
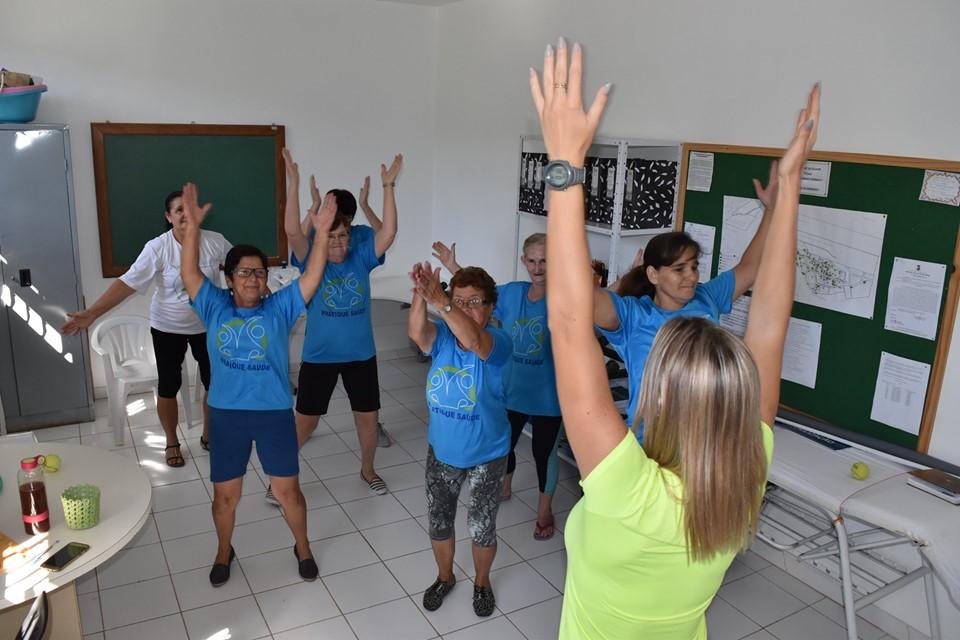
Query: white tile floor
[373, 552]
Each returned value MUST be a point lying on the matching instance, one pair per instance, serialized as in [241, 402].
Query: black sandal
[483, 601]
[435, 593]
[172, 459]
[204, 444]
[307, 568]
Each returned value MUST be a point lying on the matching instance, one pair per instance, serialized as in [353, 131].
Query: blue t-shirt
[640, 319]
[533, 384]
[466, 398]
[249, 347]
[339, 326]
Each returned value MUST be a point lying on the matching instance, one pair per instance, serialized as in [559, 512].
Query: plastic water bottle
[33, 496]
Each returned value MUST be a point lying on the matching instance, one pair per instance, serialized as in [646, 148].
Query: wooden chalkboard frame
[935, 385]
[99, 130]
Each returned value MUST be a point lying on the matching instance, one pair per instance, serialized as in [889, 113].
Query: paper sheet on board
[942, 187]
[741, 217]
[913, 299]
[801, 352]
[736, 320]
[700, 171]
[704, 234]
[815, 179]
[900, 392]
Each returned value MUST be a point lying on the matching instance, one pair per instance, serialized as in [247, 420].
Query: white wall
[352, 81]
[698, 71]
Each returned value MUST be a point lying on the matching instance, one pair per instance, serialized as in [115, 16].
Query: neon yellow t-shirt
[627, 570]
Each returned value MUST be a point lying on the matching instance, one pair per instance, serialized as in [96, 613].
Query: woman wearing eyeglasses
[339, 335]
[173, 324]
[250, 400]
[522, 310]
[469, 433]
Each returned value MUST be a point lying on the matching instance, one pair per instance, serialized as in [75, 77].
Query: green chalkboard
[238, 168]
[851, 345]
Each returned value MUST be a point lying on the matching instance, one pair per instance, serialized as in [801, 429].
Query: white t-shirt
[170, 309]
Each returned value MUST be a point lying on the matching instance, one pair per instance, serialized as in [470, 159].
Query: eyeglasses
[472, 302]
[338, 237]
[244, 272]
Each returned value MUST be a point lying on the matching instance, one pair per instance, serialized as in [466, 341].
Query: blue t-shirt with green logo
[466, 400]
[533, 385]
[249, 347]
[640, 319]
[339, 326]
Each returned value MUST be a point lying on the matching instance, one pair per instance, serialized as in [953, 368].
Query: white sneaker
[383, 438]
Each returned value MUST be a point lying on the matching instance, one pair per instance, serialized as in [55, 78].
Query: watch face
[556, 175]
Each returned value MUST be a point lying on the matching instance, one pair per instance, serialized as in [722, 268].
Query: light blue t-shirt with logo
[533, 384]
[466, 400]
[249, 347]
[640, 319]
[339, 325]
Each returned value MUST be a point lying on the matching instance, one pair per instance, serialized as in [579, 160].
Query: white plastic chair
[130, 366]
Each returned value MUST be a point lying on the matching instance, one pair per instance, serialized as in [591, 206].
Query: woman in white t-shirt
[173, 323]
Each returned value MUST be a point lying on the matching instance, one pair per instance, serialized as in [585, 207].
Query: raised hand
[768, 194]
[322, 220]
[414, 274]
[192, 211]
[364, 194]
[428, 285]
[804, 136]
[567, 129]
[315, 197]
[390, 175]
[446, 255]
[293, 170]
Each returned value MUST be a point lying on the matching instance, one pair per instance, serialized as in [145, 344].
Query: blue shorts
[233, 432]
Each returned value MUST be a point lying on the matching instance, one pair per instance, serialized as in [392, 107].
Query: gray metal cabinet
[44, 377]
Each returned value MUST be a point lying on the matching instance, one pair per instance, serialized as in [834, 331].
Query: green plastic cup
[81, 506]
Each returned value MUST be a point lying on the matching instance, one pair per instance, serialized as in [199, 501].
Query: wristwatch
[447, 308]
[560, 175]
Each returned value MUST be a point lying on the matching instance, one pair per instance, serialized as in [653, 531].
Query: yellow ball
[51, 463]
[860, 470]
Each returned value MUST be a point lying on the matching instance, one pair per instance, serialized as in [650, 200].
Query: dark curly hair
[477, 278]
[662, 251]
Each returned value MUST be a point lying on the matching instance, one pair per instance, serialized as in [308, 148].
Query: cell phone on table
[65, 556]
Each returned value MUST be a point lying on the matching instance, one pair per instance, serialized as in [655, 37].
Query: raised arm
[745, 273]
[447, 256]
[592, 422]
[364, 202]
[469, 334]
[190, 249]
[114, 295]
[387, 233]
[773, 290]
[419, 328]
[604, 313]
[321, 221]
[296, 235]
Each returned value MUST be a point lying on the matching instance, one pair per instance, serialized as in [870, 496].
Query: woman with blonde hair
[659, 525]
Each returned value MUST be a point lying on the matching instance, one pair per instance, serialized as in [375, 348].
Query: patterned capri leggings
[443, 489]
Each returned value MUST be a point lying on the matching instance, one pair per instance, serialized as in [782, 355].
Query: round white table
[125, 495]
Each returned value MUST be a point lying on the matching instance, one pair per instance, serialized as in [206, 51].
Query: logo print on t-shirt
[452, 388]
[242, 339]
[344, 293]
[528, 336]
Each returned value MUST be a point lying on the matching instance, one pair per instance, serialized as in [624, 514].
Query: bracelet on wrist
[389, 184]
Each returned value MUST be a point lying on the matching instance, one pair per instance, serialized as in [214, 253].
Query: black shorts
[170, 348]
[317, 381]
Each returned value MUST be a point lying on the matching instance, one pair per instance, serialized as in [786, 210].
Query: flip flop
[173, 458]
[540, 531]
[204, 444]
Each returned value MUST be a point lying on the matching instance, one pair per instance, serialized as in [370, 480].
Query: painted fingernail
[549, 50]
[561, 43]
[606, 88]
[809, 124]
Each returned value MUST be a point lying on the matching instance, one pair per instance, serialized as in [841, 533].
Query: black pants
[170, 349]
[546, 433]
